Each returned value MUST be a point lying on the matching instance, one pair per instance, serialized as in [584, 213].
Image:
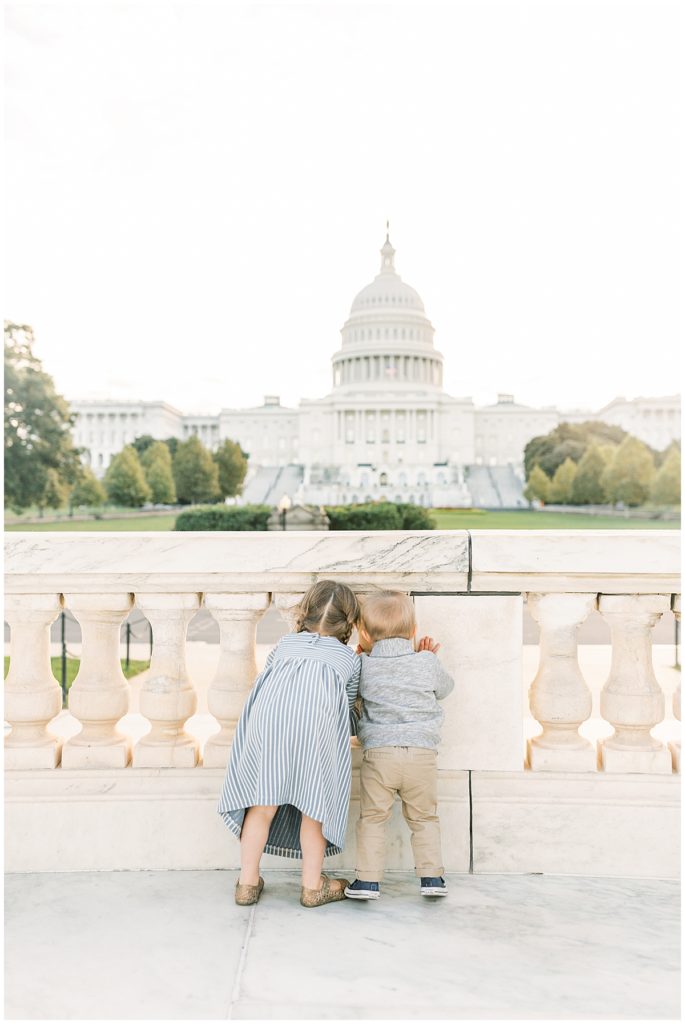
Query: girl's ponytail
[330, 607]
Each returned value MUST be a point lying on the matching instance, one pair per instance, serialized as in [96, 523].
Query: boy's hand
[426, 643]
[359, 649]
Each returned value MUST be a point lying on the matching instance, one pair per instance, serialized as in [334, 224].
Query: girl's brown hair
[328, 607]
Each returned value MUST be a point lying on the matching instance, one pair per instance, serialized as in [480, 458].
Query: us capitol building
[386, 429]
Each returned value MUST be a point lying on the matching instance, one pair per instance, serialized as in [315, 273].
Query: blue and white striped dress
[292, 743]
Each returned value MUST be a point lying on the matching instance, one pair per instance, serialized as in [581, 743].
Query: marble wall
[563, 803]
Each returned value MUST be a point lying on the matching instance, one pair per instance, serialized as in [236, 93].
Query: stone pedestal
[632, 700]
[32, 694]
[559, 696]
[481, 649]
[576, 823]
[237, 615]
[167, 697]
[99, 696]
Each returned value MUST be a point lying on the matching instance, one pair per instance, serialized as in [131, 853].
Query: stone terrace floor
[172, 945]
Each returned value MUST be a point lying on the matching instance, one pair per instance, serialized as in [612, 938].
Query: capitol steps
[270, 483]
[258, 487]
[494, 487]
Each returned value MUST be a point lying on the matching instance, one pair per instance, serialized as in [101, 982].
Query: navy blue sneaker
[363, 890]
[433, 887]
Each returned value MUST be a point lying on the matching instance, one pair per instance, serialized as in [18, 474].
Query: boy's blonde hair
[329, 607]
[388, 613]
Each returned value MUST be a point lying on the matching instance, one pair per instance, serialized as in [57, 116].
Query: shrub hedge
[384, 515]
[224, 517]
[415, 517]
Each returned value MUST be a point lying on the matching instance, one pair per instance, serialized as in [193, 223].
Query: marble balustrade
[469, 591]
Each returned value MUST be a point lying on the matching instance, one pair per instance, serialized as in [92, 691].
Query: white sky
[196, 192]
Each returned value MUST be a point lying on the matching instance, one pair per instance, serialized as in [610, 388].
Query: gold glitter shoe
[246, 895]
[328, 893]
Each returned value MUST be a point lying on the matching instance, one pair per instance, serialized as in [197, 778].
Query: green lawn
[134, 668]
[158, 523]
[481, 519]
[446, 519]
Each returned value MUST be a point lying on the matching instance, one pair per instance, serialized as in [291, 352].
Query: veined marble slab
[576, 824]
[605, 561]
[428, 560]
[156, 819]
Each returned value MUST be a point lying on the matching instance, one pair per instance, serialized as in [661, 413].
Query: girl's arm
[352, 689]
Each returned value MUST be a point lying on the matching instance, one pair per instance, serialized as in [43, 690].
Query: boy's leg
[253, 837]
[379, 778]
[419, 795]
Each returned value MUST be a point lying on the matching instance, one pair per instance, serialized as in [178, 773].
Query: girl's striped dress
[292, 743]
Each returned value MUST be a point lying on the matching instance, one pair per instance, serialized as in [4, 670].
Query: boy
[401, 684]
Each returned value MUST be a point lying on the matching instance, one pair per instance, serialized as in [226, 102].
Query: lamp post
[284, 504]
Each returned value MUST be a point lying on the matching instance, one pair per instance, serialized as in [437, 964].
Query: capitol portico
[386, 429]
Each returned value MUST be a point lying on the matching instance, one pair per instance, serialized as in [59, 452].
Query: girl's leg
[313, 846]
[253, 838]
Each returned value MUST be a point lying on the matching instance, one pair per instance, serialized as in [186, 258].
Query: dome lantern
[387, 253]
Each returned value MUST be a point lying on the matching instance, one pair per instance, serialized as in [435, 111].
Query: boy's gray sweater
[400, 689]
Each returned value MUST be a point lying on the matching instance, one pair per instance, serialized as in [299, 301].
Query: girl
[287, 784]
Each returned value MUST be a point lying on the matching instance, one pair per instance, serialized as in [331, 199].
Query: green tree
[196, 475]
[145, 441]
[87, 491]
[568, 441]
[666, 485]
[628, 477]
[232, 465]
[660, 457]
[55, 493]
[156, 463]
[142, 443]
[38, 424]
[587, 486]
[125, 481]
[538, 485]
[561, 487]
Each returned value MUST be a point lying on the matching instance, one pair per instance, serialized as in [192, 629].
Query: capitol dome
[387, 289]
[387, 336]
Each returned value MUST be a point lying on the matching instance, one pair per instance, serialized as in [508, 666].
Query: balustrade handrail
[631, 577]
[436, 561]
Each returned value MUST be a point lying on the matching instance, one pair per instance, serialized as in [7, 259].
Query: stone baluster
[559, 696]
[32, 694]
[287, 604]
[99, 696]
[674, 746]
[632, 700]
[237, 615]
[167, 697]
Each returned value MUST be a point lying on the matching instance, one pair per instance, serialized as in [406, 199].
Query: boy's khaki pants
[411, 772]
